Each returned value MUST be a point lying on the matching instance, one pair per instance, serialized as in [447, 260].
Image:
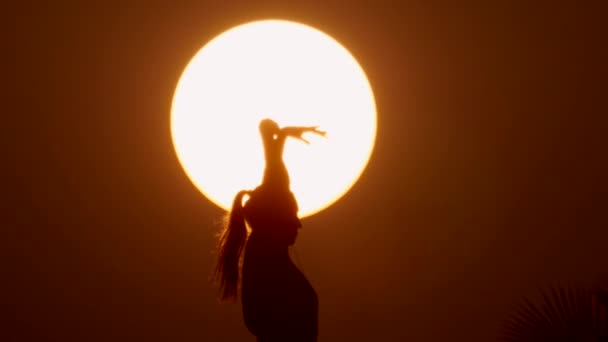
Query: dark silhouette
[278, 302]
[565, 314]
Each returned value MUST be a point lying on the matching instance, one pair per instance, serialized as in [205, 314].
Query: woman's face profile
[290, 222]
[292, 226]
[281, 222]
[285, 227]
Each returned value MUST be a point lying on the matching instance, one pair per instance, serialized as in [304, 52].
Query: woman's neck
[263, 245]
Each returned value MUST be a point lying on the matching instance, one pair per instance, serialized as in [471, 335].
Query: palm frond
[563, 314]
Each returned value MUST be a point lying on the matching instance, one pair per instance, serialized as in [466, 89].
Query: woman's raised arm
[273, 138]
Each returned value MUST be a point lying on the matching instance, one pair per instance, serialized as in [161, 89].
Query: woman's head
[270, 214]
[273, 213]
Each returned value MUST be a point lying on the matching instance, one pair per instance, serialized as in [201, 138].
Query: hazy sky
[487, 181]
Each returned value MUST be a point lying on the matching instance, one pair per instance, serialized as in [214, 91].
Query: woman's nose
[297, 223]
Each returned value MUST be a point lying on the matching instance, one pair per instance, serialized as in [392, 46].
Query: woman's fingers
[319, 132]
[304, 140]
[316, 130]
[297, 132]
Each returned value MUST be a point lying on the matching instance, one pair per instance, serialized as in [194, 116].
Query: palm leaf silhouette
[602, 295]
[564, 314]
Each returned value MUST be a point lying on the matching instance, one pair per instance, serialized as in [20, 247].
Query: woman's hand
[297, 132]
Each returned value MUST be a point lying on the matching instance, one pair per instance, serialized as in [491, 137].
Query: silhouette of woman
[278, 302]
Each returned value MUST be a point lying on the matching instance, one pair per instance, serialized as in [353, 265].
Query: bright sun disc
[293, 74]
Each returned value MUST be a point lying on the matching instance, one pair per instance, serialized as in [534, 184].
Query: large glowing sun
[293, 74]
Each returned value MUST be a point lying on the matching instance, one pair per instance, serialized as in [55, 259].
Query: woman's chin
[292, 241]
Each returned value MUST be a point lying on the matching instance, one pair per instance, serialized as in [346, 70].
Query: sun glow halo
[293, 74]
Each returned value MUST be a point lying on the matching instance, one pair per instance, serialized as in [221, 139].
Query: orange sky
[487, 180]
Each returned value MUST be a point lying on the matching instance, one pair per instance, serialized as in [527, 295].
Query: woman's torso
[278, 301]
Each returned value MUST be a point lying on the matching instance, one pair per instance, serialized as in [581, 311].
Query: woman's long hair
[230, 247]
